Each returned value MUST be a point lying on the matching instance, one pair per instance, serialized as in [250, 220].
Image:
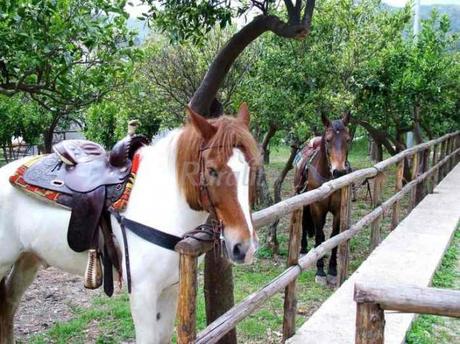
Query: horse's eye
[213, 172]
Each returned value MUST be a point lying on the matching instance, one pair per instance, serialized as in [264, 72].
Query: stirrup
[93, 273]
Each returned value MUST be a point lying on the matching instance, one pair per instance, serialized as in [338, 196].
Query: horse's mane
[231, 133]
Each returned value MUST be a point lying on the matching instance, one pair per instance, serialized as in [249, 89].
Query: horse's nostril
[338, 173]
[238, 253]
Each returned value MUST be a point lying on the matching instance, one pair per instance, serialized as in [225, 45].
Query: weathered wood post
[434, 177]
[370, 319]
[370, 323]
[414, 174]
[398, 186]
[186, 329]
[376, 201]
[423, 167]
[442, 154]
[343, 254]
[290, 292]
[451, 150]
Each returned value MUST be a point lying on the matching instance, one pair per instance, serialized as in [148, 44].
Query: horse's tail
[307, 222]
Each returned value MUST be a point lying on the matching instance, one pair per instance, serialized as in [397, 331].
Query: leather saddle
[93, 180]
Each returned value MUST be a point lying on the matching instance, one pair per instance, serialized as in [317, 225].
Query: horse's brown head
[336, 139]
[215, 168]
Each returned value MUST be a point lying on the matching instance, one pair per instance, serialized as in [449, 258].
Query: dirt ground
[50, 298]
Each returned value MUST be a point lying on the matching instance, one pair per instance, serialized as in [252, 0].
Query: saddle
[90, 180]
[301, 161]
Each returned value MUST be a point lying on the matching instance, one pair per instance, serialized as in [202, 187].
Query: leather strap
[150, 234]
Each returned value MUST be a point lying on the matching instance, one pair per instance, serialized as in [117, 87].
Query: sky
[137, 9]
[401, 3]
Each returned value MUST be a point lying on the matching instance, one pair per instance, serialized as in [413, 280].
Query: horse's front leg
[144, 309]
[319, 219]
[166, 315]
[332, 270]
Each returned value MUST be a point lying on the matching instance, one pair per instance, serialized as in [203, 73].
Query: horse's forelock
[338, 125]
[231, 133]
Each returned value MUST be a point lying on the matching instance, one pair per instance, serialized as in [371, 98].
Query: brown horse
[327, 162]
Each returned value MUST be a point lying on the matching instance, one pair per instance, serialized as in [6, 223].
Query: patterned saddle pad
[117, 195]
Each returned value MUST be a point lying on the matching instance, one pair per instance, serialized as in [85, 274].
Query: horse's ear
[243, 114]
[346, 117]
[201, 124]
[325, 119]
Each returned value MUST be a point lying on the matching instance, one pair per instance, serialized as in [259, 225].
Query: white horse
[165, 196]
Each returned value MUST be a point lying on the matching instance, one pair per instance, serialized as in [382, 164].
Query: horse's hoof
[321, 280]
[332, 280]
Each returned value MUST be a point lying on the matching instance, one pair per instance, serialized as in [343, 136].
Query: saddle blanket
[63, 199]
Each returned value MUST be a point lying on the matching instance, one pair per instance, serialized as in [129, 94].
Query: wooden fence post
[186, 329]
[451, 150]
[290, 292]
[414, 173]
[376, 201]
[423, 167]
[343, 254]
[398, 186]
[434, 177]
[442, 154]
[370, 323]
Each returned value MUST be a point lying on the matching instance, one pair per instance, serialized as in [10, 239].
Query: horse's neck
[321, 165]
[156, 200]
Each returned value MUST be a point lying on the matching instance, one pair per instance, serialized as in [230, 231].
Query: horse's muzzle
[338, 173]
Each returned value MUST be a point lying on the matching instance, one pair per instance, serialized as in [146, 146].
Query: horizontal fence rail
[372, 300]
[441, 163]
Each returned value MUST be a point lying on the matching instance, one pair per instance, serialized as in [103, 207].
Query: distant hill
[141, 27]
[453, 11]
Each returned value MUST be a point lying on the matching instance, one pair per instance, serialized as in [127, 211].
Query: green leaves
[65, 54]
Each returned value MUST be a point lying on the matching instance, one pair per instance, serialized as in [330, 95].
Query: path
[410, 254]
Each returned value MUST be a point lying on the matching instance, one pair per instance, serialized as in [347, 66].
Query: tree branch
[207, 91]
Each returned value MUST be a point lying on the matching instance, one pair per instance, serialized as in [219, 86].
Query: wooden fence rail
[372, 300]
[421, 174]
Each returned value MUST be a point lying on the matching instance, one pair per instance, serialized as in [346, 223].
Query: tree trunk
[5, 154]
[218, 275]
[375, 150]
[264, 198]
[218, 290]
[264, 148]
[272, 240]
[48, 141]
[295, 28]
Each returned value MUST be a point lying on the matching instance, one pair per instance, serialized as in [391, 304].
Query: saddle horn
[124, 150]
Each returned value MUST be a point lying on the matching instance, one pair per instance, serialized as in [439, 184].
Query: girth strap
[150, 234]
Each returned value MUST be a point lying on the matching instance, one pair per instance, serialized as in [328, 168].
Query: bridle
[329, 165]
[214, 227]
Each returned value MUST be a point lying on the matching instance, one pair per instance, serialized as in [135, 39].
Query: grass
[109, 320]
[430, 329]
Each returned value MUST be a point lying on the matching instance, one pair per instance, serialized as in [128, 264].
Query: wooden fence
[372, 300]
[430, 162]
